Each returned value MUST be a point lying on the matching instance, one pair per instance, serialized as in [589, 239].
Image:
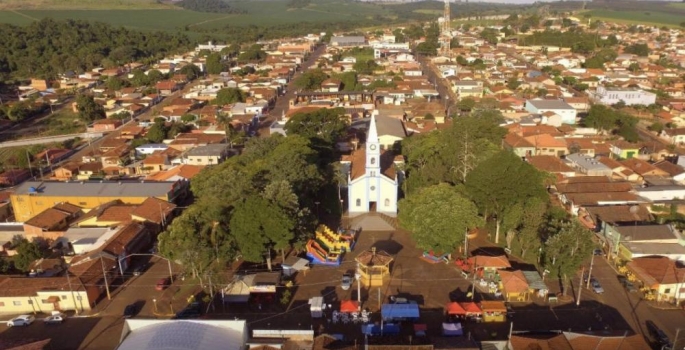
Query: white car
[23, 320]
[346, 282]
[55, 319]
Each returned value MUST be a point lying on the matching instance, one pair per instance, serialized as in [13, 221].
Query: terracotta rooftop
[358, 160]
[48, 219]
[374, 258]
[595, 187]
[185, 171]
[641, 167]
[620, 213]
[662, 269]
[116, 213]
[152, 209]
[584, 199]
[610, 162]
[28, 286]
[670, 168]
[117, 244]
[499, 262]
[550, 164]
[513, 281]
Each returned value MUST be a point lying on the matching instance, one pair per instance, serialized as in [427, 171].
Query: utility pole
[589, 275]
[580, 286]
[104, 274]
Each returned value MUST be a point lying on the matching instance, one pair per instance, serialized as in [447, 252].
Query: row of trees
[261, 200]
[213, 6]
[607, 119]
[49, 47]
[459, 179]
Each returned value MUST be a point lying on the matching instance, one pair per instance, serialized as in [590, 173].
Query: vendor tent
[399, 311]
[349, 306]
[452, 329]
[454, 308]
[471, 308]
[386, 329]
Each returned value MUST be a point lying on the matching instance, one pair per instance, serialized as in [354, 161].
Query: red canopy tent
[471, 308]
[349, 306]
[454, 308]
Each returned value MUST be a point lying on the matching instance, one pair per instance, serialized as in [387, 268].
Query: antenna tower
[446, 31]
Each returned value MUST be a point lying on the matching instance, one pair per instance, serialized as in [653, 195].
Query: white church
[373, 177]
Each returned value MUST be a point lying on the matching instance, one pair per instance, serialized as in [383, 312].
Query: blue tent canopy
[374, 329]
[399, 311]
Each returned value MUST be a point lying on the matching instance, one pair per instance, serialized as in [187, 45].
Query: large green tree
[327, 124]
[228, 96]
[259, 225]
[214, 64]
[27, 252]
[311, 79]
[565, 250]
[89, 110]
[438, 217]
[500, 182]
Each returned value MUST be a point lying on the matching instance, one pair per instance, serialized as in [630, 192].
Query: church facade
[373, 177]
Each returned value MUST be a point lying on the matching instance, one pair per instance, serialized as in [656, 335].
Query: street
[101, 328]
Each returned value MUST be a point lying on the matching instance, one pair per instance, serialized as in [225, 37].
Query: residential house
[601, 219]
[519, 145]
[558, 107]
[630, 96]
[674, 136]
[546, 144]
[584, 191]
[27, 295]
[391, 132]
[514, 285]
[207, 155]
[664, 276]
[183, 172]
[13, 177]
[643, 168]
[155, 162]
[154, 213]
[633, 241]
[51, 223]
[552, 165]
[588, 165]
[468, 88]
[105, 125]
[108, 214]
[624, 149]
[331, 85]
[676, 172]
[663, 192]
[150, 148]
[619, 170]
[54, 155]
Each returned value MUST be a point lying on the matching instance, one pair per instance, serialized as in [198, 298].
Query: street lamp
[154, 301]
[358, 277]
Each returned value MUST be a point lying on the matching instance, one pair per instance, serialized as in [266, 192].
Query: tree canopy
[48, 47]
[438, 217]
[311, 79]
[214, 6]
[229, 95]
[88, 109]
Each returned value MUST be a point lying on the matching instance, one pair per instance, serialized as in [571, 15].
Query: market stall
[494, 311]
[400, 312]
[452, 329]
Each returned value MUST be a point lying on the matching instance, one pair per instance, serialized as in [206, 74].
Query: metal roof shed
[399, 311]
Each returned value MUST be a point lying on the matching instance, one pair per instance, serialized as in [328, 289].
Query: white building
[210, 46]
[373, 177]
[558, 107]
[183, 334]
[612, 95]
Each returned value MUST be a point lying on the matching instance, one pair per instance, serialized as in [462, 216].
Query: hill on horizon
[83, 5]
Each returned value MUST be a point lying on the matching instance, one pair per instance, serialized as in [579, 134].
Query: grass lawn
[638, 17]
[61, 123]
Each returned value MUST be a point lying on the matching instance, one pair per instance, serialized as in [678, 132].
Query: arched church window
[387, 202]
[373, 160]
[359, 202]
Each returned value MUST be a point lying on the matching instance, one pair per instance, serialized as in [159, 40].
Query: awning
[391, 311]
[471, 308]
[454, 308]
[349, 306]
[493, 306]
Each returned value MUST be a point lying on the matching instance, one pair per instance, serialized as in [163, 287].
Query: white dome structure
[141, 334]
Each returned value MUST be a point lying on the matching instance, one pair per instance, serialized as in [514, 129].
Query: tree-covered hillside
[49, 47]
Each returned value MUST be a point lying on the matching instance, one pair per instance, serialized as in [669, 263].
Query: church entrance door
[372, 207]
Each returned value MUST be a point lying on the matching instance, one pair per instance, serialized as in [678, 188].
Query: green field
[80, 4]
[637, 17]
[269, 12]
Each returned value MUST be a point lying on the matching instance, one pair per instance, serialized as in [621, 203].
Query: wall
[66, 303]
[26, 206]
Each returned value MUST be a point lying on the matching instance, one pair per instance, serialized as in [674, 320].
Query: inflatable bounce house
[327, 247]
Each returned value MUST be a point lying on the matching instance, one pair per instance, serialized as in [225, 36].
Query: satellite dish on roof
[634, 209]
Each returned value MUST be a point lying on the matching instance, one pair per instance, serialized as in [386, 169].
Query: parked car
[598, 252]
[630, 287]
[130, 310]
[55, 319]
[194, 310]
[657, 333]
[596, 287]
[138, 270]
[162, 284]
[346, 282]
[23, 320]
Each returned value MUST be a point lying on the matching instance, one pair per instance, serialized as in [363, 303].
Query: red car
[162, 284]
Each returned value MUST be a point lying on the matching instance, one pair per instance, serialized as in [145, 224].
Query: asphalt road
[281, 105]
[634, 310]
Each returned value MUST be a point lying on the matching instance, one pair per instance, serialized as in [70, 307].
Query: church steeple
[373, 151]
